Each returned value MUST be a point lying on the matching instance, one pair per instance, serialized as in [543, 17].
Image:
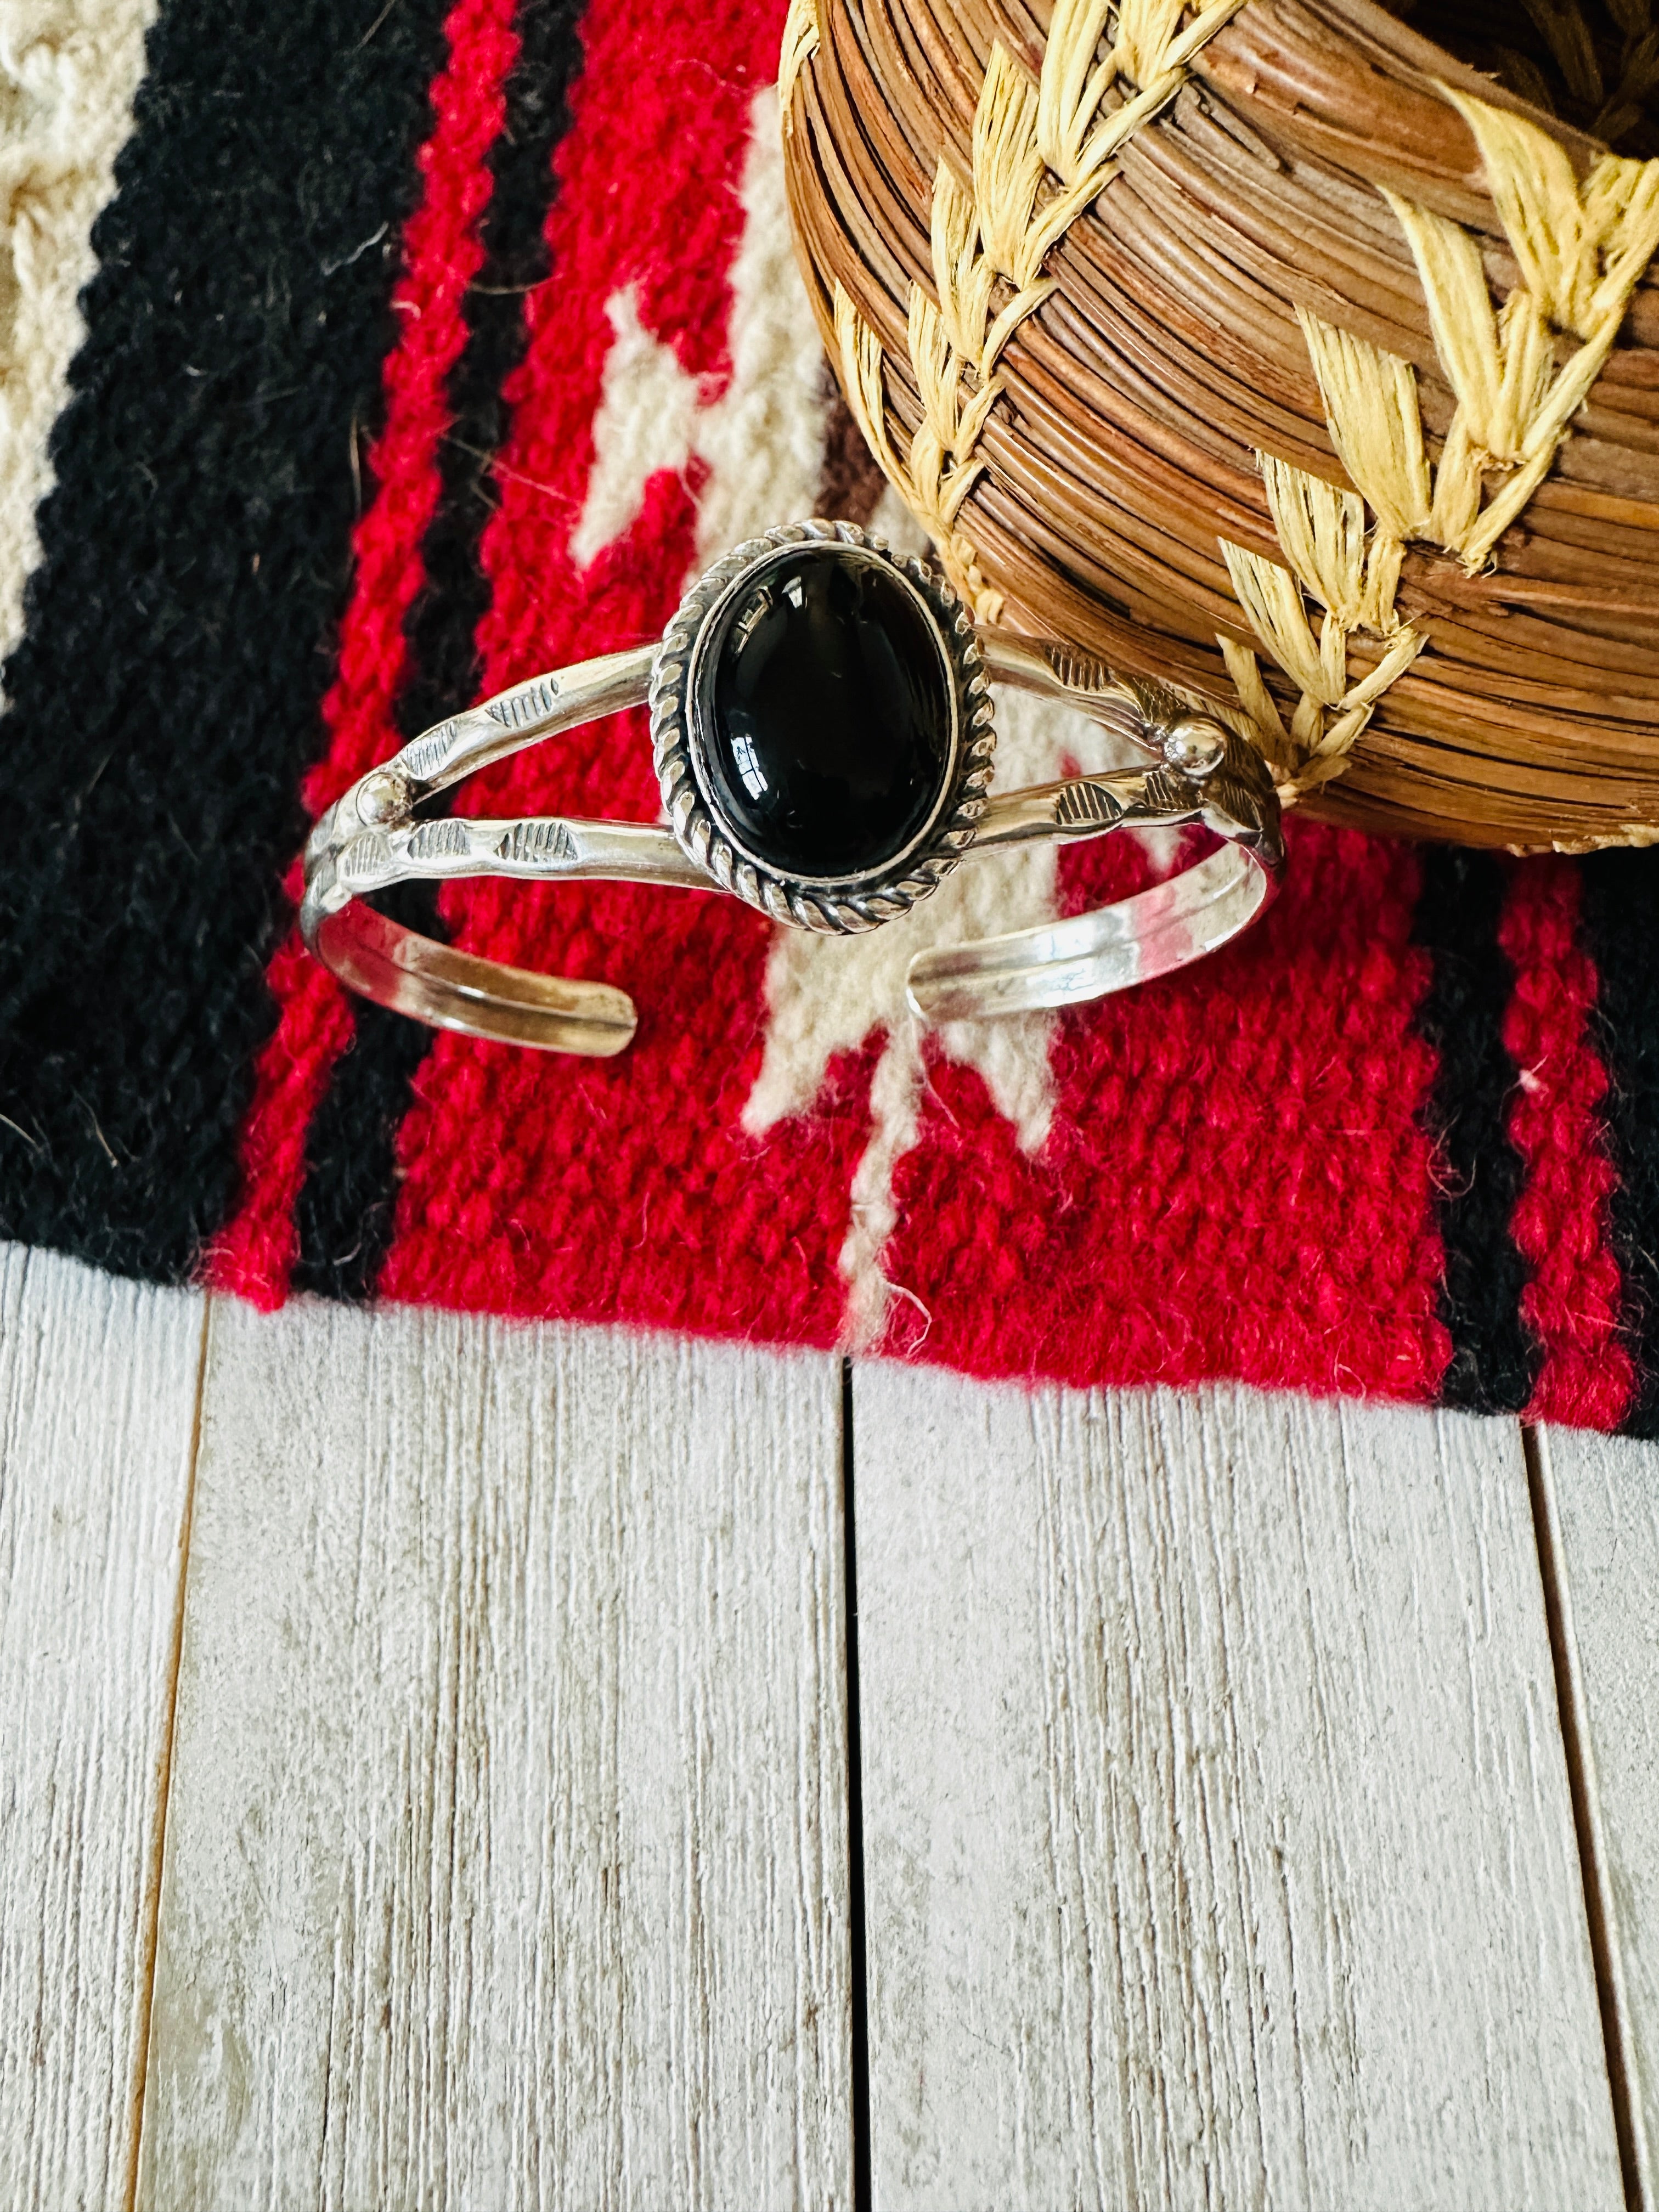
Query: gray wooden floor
[436, 1769]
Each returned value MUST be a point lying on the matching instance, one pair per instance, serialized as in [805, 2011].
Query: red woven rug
[430, 349]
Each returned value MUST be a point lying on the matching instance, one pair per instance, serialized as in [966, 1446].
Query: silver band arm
[539, 708]
[413, 975]
[1206, 775]
[371, 839]
[1091, 954]
[367, 841]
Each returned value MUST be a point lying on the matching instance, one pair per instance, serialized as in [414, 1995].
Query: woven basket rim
[1139, 431]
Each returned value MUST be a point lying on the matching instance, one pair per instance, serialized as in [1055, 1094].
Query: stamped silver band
[1198, 771]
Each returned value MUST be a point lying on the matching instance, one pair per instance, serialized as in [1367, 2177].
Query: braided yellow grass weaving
[801, 33]
[1042, 154]
[1581, 250]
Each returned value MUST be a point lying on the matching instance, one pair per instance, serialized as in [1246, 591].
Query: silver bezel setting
[833, 905]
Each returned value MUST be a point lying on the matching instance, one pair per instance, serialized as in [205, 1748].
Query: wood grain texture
[97, 1392]
[1600, 1496]
[1218, 1840]
[505, 1859]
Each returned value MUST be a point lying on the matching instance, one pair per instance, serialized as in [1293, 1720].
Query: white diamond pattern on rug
[826, 994]
[761, 437]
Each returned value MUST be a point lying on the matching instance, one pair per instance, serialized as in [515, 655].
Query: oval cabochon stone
[829, 713]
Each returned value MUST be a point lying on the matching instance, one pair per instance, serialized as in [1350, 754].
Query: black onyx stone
[827, 713]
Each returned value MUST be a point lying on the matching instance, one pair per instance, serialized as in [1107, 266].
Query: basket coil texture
[1268, 348]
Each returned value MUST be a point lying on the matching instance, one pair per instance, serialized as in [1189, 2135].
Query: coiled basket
[1269, 348]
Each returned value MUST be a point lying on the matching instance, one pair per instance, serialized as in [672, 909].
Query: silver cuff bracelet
[822, 725]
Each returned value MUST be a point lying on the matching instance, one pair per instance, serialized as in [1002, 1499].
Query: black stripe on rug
[166, 699]
[1495, 1358]
[346, 1207]
[1620, 919]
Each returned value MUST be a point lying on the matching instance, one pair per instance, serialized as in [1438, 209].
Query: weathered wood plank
[1218, 1840]
[506, 1858]
[1600, 1501]
[98, 1391]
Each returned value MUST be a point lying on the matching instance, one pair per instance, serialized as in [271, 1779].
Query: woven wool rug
[423, 346]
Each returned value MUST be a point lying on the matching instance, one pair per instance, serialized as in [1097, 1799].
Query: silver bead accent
[382, 796]
[1195, 745]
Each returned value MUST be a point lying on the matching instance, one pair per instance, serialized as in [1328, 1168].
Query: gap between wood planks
[1593, 1859]
[1573, 1720]
[860, 1975]
[152, 1933]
